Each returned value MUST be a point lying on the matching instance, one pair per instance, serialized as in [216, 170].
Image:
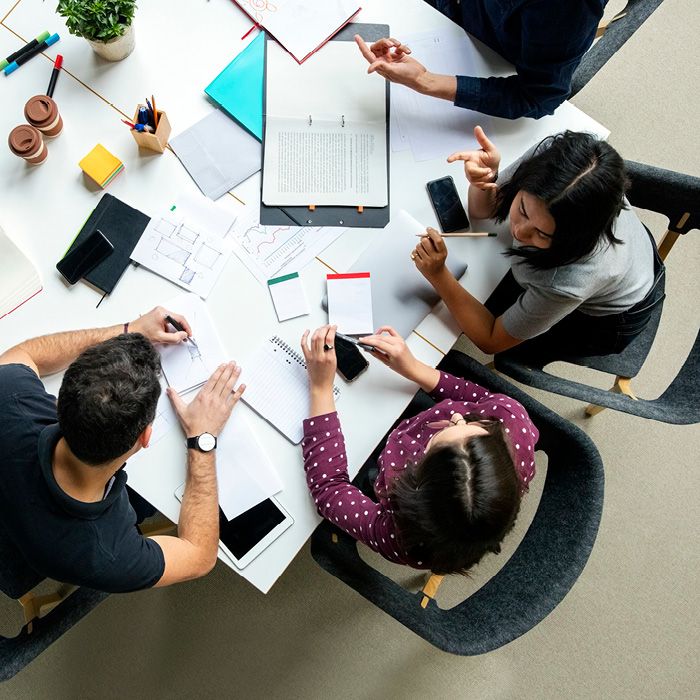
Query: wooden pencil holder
[156, 141]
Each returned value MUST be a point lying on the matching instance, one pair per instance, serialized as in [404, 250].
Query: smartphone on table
[248, 534]
[447, 204]
[84, 257]
[351, 363]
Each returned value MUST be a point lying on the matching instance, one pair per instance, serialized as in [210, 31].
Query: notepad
[277, 387]
[238, 89]
[101, 166]
[350, 303]
[288, 296]
[20, 280]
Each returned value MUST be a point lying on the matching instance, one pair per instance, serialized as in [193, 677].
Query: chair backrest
[615, 36]
[542, 570]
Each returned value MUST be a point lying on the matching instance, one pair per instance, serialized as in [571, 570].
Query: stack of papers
[101, 166]
[19, 281]
[189, 244]
[429, 127]
[301, 26]
[350, 303]
[288, 296]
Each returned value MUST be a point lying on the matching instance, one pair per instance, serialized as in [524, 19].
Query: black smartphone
[86, 255]
[351, 363]
[447, 205]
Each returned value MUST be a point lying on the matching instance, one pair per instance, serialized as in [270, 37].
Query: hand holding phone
[84, 257]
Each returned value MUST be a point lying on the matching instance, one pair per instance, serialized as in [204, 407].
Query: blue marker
[143, 116]
[39, 48]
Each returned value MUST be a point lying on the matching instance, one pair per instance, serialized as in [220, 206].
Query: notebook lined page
[277, 387]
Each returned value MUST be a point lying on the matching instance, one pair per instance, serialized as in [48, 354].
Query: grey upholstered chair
[17, 580]
[612, 37]
[677, 196]
[543, 568]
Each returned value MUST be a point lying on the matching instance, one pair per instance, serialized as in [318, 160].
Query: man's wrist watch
[205, 442]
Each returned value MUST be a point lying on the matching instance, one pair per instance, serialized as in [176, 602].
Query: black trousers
[580, 334]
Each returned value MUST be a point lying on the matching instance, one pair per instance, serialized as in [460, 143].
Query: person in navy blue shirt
[544, 39]
[64, 504]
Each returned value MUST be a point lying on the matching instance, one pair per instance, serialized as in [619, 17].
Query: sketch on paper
[189, 244]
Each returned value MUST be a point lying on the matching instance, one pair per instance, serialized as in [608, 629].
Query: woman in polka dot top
[450, 479]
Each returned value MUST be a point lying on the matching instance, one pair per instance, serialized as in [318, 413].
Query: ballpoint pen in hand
[179, 327]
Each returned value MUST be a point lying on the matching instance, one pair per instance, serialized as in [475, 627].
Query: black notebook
[123, 226]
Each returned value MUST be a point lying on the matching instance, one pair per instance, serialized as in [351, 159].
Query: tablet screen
[242, 533]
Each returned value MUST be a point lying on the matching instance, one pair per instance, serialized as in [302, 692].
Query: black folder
[123, 226]
[370, 217]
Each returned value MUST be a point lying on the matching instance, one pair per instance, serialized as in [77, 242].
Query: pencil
[466, 234]
[155, 113]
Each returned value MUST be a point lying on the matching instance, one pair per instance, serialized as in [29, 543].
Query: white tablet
[249, 533]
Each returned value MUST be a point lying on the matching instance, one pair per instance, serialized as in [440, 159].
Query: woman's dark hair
[458, 502]
[108, 396]
[582, 181]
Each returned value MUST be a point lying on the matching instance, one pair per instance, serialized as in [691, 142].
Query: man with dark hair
[544, 39]
[63, 497]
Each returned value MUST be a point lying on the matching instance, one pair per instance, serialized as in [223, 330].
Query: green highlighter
[14, 56]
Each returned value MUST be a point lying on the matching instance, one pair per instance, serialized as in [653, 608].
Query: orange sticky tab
[360, 209]
[312, 207]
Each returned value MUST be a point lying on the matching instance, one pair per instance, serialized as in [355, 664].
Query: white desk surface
[181, 45]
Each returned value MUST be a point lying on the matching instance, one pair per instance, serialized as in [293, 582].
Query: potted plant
[106, 24]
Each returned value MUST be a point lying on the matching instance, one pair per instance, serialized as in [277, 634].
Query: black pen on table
[179, 327]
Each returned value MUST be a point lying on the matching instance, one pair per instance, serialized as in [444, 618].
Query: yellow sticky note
[100, 165]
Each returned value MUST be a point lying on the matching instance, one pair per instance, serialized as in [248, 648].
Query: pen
[54, 75]
[139, 127]
[142, 116]
[21, 60]
[466, 234]
[179, 327]
[14, 56]
[150, 112]
[355, 341]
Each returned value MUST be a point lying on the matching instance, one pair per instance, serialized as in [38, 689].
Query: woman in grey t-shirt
[582, 280]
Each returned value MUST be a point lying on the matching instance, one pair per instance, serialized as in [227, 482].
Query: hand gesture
[211, 408]
[480, 167]
[392, 351]
[154, 326]
[430, 254]
[390, 59]
[320, 358]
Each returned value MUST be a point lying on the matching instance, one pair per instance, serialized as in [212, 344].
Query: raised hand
[390, 59]
[480, 167]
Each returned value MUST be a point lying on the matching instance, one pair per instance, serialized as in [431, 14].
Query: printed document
[325, 130]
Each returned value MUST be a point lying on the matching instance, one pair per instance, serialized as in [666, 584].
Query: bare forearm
[199, 515]
[482, 203]
[53, 353]
[435, 85]
[473, 318]
[322, 401]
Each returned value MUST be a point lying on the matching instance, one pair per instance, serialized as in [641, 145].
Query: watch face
[206, 442]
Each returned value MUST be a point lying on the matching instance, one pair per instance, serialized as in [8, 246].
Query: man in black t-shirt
[63, 497]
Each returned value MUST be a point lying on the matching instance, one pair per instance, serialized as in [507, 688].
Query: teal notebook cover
[238, 89]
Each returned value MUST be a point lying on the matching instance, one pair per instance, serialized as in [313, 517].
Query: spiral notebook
[277, 387]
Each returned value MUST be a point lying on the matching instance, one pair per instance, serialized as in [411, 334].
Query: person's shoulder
[16, 376]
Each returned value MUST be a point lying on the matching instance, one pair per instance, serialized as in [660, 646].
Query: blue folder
[238, 89]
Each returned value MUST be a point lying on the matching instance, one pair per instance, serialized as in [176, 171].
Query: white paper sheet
[188, 365]
[269, 251]
[435, 128]
[350, 303]
[217, 153]
[325, 130]
[288, 296]
[301, 26]
[189, 244]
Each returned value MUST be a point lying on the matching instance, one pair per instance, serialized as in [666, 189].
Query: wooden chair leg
[622, 385]
[667, 241]
[430, 589]
[32, 605]
[158, 525]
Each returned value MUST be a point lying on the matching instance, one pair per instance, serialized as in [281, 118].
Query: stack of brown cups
[42, 112]
[26, 142]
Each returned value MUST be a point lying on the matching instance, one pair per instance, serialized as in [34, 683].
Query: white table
[180, 47]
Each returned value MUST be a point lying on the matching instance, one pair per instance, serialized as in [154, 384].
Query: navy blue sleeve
[25, 405]
[553, 38]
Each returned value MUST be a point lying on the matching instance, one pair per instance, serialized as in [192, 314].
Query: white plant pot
[115, 49]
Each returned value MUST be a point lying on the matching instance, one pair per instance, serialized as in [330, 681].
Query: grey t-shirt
[610, 280]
